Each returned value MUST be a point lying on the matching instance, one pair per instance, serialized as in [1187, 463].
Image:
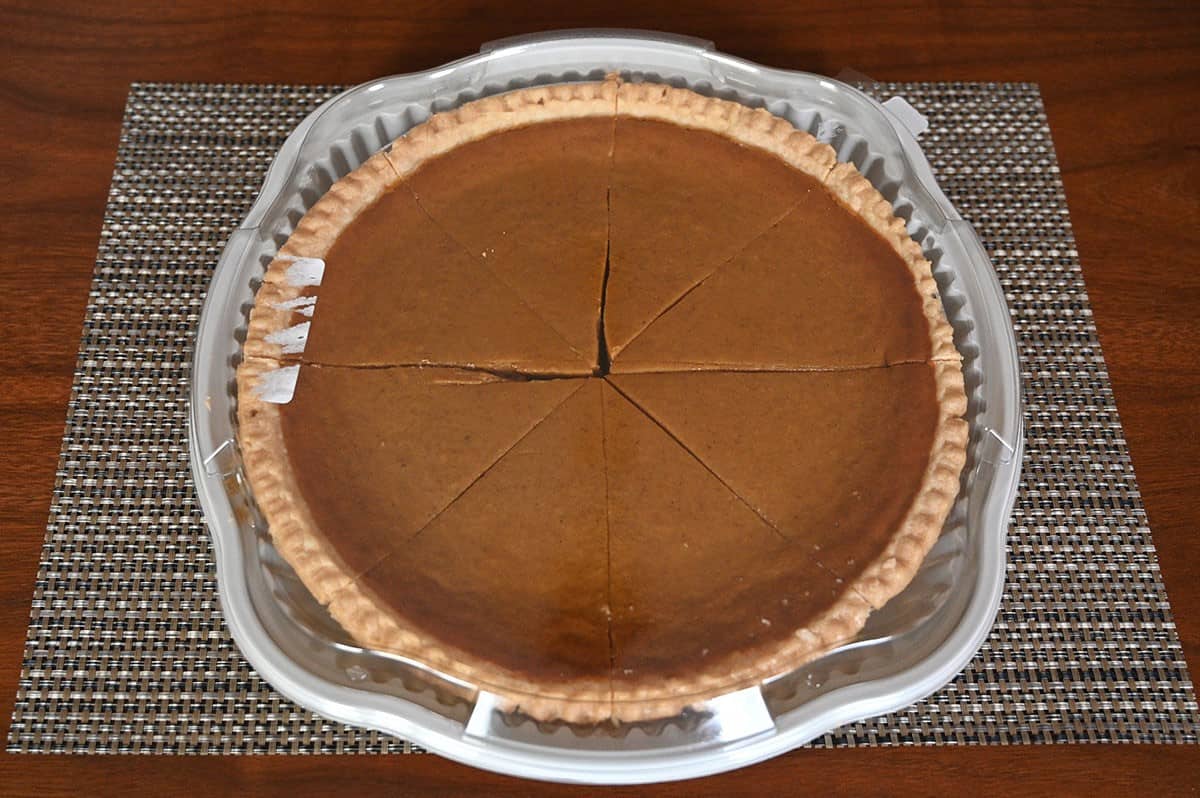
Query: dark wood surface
[1122, 89]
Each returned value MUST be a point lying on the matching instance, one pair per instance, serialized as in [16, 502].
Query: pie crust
[273, 343]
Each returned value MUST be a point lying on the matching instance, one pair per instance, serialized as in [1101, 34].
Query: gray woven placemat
[127, 651]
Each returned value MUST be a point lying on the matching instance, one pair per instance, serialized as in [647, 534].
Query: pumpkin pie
[607, 398]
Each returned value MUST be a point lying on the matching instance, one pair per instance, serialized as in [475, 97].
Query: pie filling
[607, 414]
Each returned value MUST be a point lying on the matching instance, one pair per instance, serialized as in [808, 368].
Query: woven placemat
[127, 650]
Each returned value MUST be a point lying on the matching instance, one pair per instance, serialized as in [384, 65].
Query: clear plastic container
[914, 645]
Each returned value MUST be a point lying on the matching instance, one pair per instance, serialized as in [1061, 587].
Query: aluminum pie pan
[909, 649]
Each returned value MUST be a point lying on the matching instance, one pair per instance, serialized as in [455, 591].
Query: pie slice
[515, 567]
[858, 467]
[555, 257]
[359, 460]
[369, 279]
[706, 596]
[694, 179]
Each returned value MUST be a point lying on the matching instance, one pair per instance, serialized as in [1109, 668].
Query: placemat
[127, 650]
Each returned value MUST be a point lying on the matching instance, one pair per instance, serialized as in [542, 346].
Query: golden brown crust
[338, 207]
[264, 454]
[272, 318]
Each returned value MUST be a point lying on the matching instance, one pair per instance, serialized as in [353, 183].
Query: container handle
[596, 33]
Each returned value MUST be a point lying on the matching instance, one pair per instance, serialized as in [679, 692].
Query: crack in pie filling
[605, 397]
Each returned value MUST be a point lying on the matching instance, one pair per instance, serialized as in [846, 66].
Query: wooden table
[1122, 90]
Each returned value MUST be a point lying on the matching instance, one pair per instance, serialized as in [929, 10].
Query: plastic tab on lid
[482, 716]
[737, 716]
[912, 119]
[223, 461]
[704, 45]
[994, 449]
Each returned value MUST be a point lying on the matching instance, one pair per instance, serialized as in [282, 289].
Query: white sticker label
[304, 271]
[278, 386]
[301, 304]
[292, 340]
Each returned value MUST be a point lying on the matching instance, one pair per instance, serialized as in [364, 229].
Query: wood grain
[1122, 89]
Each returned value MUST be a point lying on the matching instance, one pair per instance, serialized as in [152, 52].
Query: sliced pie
[431, 429]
